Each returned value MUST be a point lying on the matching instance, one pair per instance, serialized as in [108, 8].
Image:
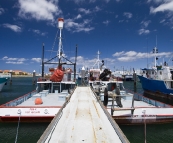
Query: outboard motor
[118, 98]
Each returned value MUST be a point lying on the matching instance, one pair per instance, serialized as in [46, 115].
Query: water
[31, 132]
[28, 132]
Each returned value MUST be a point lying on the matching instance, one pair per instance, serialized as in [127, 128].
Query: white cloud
[133, 55]
[166, 6]
[73, 26]
[126, 59]
[15, 63]
[38, 60]
[118, 54]
[4, 58]
[128, 14]
[162, 21]
[129, 56]
[15, 28]
[143, 31]
[130, 53]
[120, 21]
[38, 32]
[145, 23]
[38, 9]
[106, 22]
[1, 11]
[14, 60]
[85, 11]
[91, 63]
[97, 9]
[78, 16]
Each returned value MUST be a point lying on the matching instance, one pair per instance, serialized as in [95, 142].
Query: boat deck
[52, 99]
[126, 101]
[83, 119]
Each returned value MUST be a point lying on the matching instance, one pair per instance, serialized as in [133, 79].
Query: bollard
[33, 78]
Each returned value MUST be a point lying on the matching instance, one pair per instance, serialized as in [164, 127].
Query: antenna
[60, 26]
[147, 52]
[155, 51]
[98, 60]
[156, 40]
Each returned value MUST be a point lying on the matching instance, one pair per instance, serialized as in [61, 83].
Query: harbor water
[31, 132]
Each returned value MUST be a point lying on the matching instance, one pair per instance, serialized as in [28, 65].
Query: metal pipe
[42, 61]
[75, 65]
[144, 126]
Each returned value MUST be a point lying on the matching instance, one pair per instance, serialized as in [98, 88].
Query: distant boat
[128, 77]
[3, 79]
[158, 80]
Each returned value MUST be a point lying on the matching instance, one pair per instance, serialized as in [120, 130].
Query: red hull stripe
[30, 106]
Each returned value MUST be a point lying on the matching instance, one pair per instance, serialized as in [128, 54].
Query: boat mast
[60, 26]
[155, 51]
[42, 73]
[98, 60]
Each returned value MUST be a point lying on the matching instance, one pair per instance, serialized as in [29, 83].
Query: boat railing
[19, 100]
[156, 103]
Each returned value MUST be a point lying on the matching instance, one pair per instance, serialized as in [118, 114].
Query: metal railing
[155, 103]
[19, 100]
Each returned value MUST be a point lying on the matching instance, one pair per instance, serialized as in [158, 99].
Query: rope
[19, 112]
[54, 43]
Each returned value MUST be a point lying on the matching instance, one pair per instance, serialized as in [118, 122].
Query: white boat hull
[1, 85]
[29, 114]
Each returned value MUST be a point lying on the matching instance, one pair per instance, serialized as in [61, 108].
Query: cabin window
[152, 72]
[143, 71]
[160, 73]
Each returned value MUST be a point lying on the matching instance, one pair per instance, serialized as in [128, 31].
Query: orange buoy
[38, 101]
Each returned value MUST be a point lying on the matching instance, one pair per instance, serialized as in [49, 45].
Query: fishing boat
[158, 80]
[128, 77]
[126, 107]
[51, 92]
[3, 79]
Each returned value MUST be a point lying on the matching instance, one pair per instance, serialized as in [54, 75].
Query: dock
[83, 118]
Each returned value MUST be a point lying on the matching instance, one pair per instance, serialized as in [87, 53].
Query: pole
[75, 65]
[33, 76]
[11, 75]
[42, 61]
[134, 79]
[144, 126]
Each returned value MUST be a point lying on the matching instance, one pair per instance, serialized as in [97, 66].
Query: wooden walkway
[83, 118]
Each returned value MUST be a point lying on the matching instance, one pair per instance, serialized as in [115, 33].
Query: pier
[83, 118]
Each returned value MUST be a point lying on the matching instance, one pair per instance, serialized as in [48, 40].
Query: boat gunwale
[3, 105]
[30, 106]
[170, 106]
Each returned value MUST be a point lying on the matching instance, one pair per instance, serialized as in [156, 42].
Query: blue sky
[124, 31]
